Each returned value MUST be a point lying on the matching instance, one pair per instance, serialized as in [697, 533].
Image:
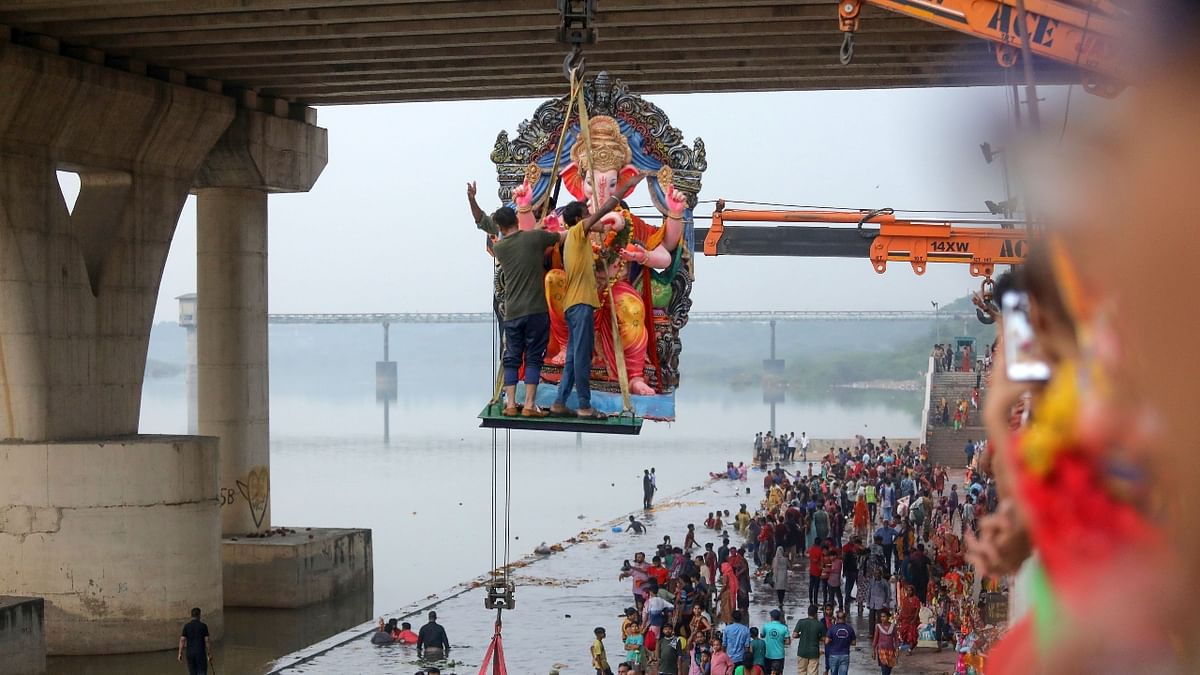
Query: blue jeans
[839, 664]
[577, 370]
[525, 338]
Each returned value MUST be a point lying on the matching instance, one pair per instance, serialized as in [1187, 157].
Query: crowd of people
[957, 411]
[948, 359]
[877, 531]
[955, 414]
[768, 447]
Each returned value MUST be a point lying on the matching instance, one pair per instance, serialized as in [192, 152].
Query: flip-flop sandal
[562, 411]
[594, 415]
[534, 412]
[511, 411]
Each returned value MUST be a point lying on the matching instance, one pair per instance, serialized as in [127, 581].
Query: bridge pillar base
[303, 567]
[115, 535]
[22, 641]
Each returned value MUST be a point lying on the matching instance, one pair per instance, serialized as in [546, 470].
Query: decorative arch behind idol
[628, 135]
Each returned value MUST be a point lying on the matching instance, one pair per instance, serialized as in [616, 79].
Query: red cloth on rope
[495, 652]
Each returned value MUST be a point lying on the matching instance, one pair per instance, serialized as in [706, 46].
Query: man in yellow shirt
[581, 302]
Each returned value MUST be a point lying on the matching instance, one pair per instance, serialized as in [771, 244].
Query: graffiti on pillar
[256, 491]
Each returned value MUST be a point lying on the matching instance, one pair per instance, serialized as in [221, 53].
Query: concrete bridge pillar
[231, 348]
[114, 530]
[258, 154]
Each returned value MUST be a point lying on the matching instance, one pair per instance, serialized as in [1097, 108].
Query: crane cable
[494, 656]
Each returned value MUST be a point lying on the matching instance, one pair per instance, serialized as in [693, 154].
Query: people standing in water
[432, 642]
[194, 641]
[695, 603]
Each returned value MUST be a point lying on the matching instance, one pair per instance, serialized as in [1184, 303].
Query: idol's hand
[634, 253]
[676, 202]
[553, 222]
[523, 195]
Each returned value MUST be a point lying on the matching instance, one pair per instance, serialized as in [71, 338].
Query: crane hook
[985, 301]
[575, 64]
[847, 53]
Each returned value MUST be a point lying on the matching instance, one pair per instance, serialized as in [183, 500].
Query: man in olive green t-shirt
[526, 321]
[809, 634]
[526, 314]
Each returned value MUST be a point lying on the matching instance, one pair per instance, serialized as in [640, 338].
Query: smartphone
[1023, 365]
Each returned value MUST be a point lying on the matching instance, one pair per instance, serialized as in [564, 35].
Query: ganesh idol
[593, 175]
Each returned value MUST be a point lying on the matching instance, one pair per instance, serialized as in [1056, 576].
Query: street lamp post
[937, 326]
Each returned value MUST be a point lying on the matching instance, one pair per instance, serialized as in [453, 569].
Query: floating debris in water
[676, 503]
[523, 580]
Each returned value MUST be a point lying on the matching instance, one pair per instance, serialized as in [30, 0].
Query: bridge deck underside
[324, 52]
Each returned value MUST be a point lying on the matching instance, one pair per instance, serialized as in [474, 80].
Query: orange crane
[917, 242]
[1084, 33]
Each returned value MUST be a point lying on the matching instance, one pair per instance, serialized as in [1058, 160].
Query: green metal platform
[492, 418]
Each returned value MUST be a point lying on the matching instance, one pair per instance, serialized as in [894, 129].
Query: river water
[426, 494]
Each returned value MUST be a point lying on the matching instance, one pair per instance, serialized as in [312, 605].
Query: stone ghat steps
[946, 445]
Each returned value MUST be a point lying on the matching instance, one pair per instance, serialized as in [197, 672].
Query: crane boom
[1087, 37]
[895, 240]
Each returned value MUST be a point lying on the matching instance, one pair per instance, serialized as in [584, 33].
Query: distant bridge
[694, 317]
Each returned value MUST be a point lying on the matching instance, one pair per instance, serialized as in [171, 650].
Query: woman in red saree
[862, 516]
[909, 619]
[729, 591]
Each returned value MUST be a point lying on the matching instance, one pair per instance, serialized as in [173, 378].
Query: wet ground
[562, 597]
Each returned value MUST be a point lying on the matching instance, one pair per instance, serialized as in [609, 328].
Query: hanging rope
[507, 494]
[497, 347]
[562, 138]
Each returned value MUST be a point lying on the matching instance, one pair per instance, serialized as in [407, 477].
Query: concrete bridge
[150, 100]
[292, 53]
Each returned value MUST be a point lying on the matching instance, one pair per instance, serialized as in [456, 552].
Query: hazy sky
[387, 229]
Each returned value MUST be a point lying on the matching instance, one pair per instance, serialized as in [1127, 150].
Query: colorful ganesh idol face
[605, 165]
[606, 185]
